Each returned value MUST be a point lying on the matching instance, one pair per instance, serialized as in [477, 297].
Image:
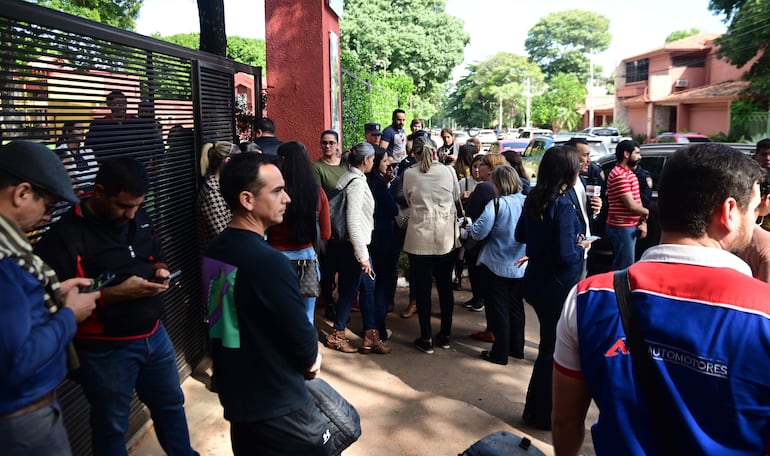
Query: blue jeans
[109, 379]
[38, 433]
[306, 254]
[350, 280]
[623, 245]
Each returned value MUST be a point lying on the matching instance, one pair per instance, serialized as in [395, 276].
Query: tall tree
[416, 38]
[501, 79]
[211, 14]
[562, 42]
[558, 106]
[117, 13]
[747, 36]
[246, 50]
[680, 34]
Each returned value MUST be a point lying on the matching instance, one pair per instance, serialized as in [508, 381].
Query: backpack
[338, 205]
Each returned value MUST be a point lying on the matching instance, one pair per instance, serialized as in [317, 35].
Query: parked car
[533, 132]
[680, 138]
[509, 144]
[654, 157]
[487, 137]
[611, 134]
[461, 137]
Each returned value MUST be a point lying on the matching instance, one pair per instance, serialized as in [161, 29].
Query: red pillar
[298, 69]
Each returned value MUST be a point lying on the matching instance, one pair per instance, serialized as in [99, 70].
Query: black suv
[654, 157]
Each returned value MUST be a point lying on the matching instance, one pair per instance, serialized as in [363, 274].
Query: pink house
[680, 87]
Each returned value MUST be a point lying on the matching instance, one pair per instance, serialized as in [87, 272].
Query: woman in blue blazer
[551, 230]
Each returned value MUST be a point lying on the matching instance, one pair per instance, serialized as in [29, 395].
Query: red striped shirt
[620, 181]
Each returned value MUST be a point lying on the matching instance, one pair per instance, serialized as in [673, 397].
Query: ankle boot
[373, 344]
[411, 309]
[337, 341]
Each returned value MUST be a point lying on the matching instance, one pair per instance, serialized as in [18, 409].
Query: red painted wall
[297, 67]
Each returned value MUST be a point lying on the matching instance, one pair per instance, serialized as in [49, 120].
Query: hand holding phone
[171, 276]
[100, 282]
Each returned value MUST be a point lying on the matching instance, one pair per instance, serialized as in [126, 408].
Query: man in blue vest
[704, 322]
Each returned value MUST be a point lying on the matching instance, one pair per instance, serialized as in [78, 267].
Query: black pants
[425, 268]
[471, 257]
[505, 314]
[298, 433]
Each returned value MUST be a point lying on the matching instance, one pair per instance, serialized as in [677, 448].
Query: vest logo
[618, 348]
[327, 435]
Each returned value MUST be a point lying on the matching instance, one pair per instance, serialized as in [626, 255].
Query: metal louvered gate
[56, 72]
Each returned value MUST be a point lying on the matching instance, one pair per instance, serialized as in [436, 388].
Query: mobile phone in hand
[592, 238]
[171, 276]
[100, 282]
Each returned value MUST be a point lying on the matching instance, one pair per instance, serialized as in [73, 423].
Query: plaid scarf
[14, 244]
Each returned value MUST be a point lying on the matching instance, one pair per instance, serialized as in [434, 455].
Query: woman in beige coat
[431, 190]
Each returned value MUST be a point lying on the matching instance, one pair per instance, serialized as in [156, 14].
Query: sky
[493, 25]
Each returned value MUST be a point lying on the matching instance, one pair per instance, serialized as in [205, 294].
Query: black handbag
[345, 423]
[307, 274]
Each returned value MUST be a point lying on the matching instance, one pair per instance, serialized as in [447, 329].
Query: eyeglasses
[328, 143]
[51, 203]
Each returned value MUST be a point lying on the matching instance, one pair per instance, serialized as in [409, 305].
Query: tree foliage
[747, 36]
[117, 13]
[558, 105]
[561, 42]
[416, 38]
[503, 78]
[680, 34]
[245, 50]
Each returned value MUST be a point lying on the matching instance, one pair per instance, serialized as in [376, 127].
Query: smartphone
[592, 238]
[100, 282]
[171, 276]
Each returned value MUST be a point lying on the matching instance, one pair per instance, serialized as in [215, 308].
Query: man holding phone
[584, 197]
[123, 346]
[38, 315]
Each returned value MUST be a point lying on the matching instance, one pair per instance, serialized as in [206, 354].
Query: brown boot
[373, 344]
[337, 341]
[411, 309]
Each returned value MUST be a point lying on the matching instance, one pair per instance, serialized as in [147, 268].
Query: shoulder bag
[344, 421]
[661, 422]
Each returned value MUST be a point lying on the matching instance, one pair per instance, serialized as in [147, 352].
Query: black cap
[373, 128]
[40, 166]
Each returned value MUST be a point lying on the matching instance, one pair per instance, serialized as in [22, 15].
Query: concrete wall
[298, 69]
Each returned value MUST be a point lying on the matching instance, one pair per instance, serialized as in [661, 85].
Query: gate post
[304, 84]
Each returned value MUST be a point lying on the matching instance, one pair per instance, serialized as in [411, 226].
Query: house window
[637, 70]
[697, 61]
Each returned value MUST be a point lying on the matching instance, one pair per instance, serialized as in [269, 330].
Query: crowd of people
[265, 224]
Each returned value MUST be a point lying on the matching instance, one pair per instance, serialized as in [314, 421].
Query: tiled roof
[701, 41]
[728, 89]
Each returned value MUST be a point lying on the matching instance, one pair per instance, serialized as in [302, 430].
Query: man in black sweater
[262, 344]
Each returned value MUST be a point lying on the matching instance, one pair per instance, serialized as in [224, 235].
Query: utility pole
[528, 94]
[590, 98]
[500, 110]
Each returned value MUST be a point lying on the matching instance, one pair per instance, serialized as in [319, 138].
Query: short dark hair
[240, 174]
[698, 179]
[115, 94]
[624, 146]
[575, 140]
[122, 174]
[763, 144]
[397, 111]
[265, 124]
[331, 132]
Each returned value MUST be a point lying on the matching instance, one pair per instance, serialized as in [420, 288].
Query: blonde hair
[494, 160]
[423, 149]
[506, 179]
[213, 156]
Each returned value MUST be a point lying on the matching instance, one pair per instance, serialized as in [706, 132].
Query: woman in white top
[352, 255]
[431, 191]
[78, 160]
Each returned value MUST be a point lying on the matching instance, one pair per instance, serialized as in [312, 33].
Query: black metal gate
[56, 71]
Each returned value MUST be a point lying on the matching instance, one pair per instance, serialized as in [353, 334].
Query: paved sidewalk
[410, 403]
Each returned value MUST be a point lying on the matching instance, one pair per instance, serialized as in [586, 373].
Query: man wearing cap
[123, 347]
[38, 314]
[372, 135]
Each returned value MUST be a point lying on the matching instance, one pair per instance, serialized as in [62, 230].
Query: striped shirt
[620, 181]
